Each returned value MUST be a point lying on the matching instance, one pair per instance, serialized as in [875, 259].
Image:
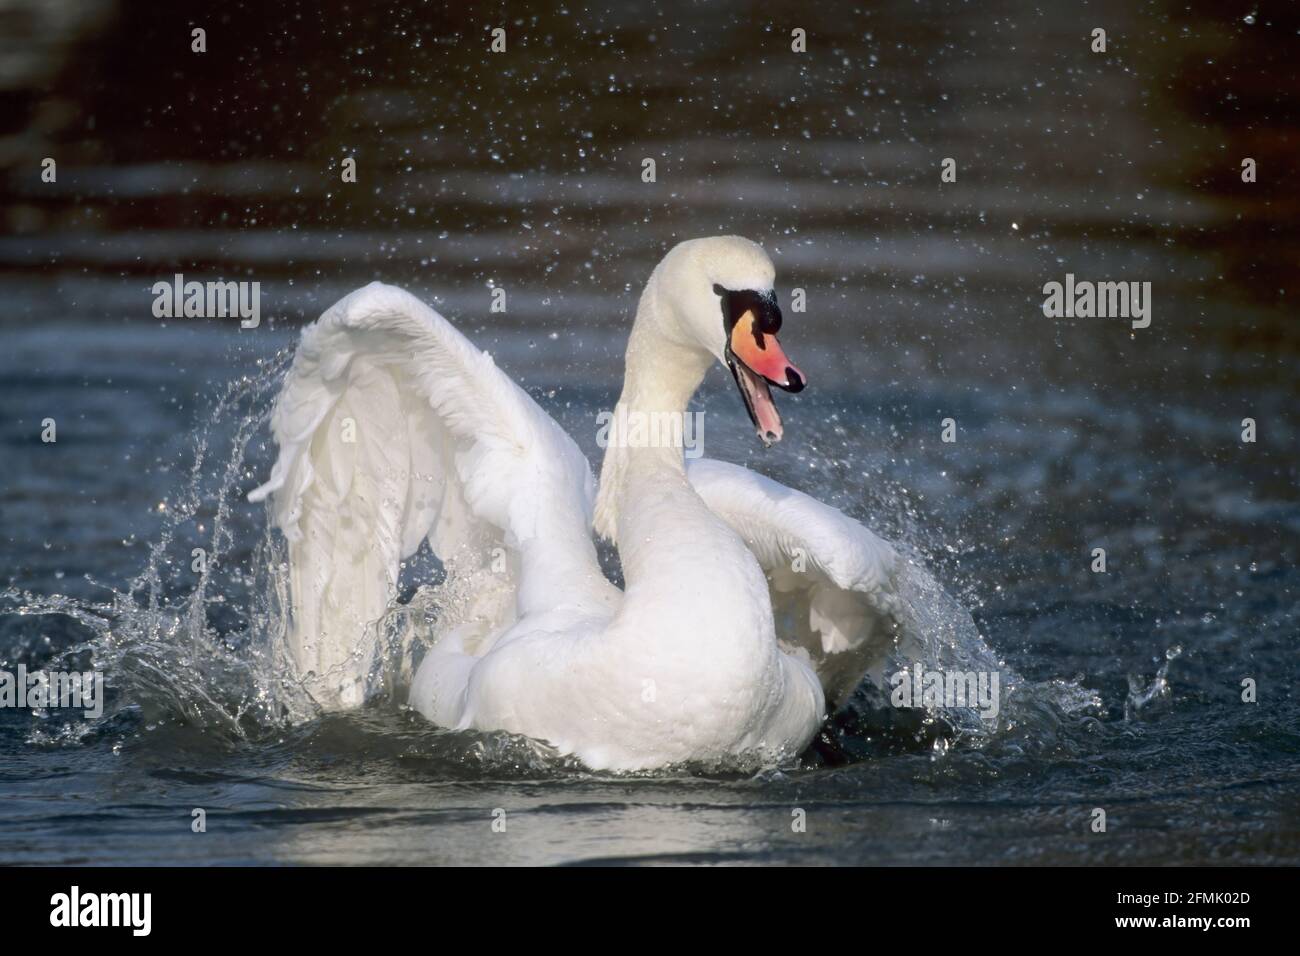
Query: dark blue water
[924, 304]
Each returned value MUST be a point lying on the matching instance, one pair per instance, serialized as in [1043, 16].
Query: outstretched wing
[393, 428]
[833, 583]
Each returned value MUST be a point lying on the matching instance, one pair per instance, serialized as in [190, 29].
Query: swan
[393, 429]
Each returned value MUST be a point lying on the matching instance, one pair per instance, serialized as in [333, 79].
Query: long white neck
[684, 569]
[659, 379]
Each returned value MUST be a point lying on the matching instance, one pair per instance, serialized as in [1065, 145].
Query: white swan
[393, 428]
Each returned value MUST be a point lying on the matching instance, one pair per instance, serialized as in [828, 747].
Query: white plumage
[393, 428]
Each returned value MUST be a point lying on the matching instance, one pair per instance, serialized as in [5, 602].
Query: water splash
[195, 636]
[938, 634]
[1141, 695]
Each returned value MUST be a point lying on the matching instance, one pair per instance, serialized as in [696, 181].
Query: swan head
[722, 297]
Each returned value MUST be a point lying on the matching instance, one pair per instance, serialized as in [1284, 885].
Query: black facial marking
[767, 314]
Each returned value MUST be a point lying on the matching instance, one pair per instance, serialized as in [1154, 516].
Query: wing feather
[392, 429]
[833, 582]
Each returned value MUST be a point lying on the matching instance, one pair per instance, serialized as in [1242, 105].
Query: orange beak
[762, 353]
[757, 360]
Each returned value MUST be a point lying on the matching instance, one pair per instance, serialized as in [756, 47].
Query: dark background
[524, 167]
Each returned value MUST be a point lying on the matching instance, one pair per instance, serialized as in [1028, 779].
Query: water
[923, 305]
